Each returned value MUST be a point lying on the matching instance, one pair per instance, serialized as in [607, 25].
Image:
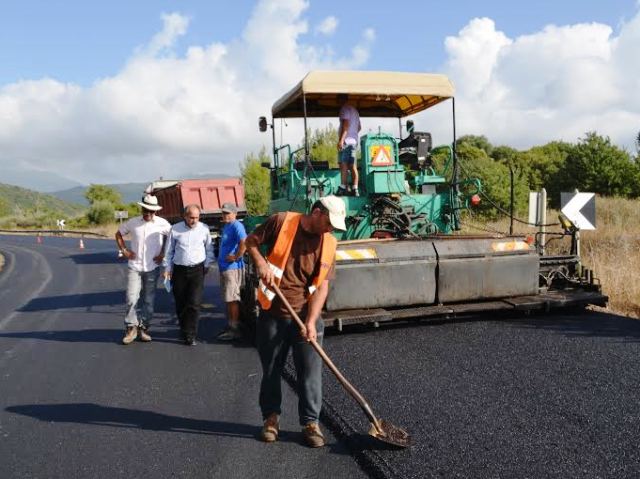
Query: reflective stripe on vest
[277, 258]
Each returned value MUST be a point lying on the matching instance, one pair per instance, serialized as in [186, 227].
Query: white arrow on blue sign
[580, 208]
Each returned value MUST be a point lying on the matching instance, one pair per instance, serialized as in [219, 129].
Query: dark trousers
[188, 285]
[274, 337]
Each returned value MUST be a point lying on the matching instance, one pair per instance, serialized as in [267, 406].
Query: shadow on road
[70, 301]
[87, 413]
[112, 335]
[162, 330]
[95, 258]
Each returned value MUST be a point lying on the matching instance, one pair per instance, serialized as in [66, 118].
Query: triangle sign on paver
[580, 209]
[382, 157]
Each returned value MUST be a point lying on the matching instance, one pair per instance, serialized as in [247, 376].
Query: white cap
[337, 212]
[150, 202]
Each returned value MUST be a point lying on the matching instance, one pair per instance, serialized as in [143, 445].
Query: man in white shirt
[347, 146]
[148, 237]
[188, 254]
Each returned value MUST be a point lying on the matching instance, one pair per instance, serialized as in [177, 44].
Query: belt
[199, 265]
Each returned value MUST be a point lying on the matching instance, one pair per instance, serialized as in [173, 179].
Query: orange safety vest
[277, 258]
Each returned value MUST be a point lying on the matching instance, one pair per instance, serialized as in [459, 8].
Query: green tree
[257, 190]
[476, 141]
[495, 178]
[595, 165]
[322, 145]
[546, 164]
[101, 212]
[103, 193]
[505, 154]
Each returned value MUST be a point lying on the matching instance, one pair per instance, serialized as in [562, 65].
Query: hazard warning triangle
[381, 158]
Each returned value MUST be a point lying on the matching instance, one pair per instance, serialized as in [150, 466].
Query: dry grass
[612, 251]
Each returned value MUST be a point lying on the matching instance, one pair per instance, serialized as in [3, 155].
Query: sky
[113, 92]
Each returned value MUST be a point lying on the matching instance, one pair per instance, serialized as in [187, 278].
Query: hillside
[130, 192]
[19, 201]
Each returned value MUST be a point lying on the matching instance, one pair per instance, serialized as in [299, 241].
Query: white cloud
[175, 25]
[555, 84]
[169, 114]
[166, 114]
[327, 26]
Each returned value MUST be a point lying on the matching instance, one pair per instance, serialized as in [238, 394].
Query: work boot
[132, 334]
[144, 335]
[270, 428]
[313, 435]
[229, 334]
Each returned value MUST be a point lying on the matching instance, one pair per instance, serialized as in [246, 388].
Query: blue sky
[79, 41]
[98, 85]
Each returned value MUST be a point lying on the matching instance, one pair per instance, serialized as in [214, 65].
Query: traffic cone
[81, 245]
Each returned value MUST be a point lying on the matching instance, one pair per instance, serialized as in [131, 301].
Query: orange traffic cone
[81, 245]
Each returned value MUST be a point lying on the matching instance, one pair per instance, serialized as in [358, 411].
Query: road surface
[492, 397]
[75, 403]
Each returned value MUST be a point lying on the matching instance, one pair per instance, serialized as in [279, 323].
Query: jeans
[188, 286]
[274, 337]
[141, 293]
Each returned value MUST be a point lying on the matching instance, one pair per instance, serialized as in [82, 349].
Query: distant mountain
[130, 191]
[42, 181]
[24, 200]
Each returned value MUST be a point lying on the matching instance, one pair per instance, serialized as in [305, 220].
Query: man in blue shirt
[231, 266]
[187, 257]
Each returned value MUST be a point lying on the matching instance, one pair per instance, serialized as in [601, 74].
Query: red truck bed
[209, 194]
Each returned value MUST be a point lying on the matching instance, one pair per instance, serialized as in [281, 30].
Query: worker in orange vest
[301, 262]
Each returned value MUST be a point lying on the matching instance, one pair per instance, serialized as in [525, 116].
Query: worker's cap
[337, 211]
[229, 208]
[150, 202]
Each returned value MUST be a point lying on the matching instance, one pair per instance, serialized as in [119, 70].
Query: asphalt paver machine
[403, 255]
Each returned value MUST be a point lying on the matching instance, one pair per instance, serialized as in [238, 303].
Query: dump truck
[403, 255]
[208, 193]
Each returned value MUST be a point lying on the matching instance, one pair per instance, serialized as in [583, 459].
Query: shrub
[101, 212]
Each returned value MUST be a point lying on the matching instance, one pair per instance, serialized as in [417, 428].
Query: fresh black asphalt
[75, 403]
[552, 396]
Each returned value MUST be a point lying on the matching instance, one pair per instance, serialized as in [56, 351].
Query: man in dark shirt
[301, 261]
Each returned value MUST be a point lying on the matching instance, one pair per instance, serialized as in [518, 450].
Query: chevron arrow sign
[580, 208]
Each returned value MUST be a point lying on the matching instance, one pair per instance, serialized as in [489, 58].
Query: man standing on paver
[148, 237]
[188, 254]
[347, 145]
[231, 266]
[300, 261]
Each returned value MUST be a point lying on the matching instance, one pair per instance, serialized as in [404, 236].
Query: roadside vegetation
[24, 209]
[21, 209]
[591, 164]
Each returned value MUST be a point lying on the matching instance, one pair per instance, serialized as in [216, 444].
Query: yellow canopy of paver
[374, 94]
